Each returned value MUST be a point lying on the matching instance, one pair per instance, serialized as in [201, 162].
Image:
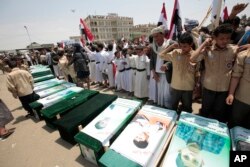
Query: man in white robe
[109, 62]
[120, 71]
[156, 63]
[92, 66]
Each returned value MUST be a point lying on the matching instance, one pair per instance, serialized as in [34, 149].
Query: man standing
[20, 84]
[159, 43]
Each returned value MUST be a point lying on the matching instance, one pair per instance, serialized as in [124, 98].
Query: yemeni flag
[85, 31]
[175, 25]
[163, 19]
[224, 14]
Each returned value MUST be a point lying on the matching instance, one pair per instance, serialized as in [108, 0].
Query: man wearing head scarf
[157, 66]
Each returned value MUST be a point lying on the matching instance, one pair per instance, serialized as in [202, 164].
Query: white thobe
[128, 75]
[110, 72]
[141, 81]
[98, 71]
[119, 76]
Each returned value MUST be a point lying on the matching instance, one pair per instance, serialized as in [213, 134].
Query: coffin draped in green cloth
[198, 141]
[111, 157]
[55, 89]
[144, 138]
[40, 72]
[240, 138]
[43, 78]
[46, 82]
[50, 84]
[82, 115]
[107, 126]
[55, 98]
[68, 104]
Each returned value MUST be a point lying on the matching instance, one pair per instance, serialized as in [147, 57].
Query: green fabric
[67, 104]
[43, 78]
[48, 85]
[40, 73]
[46, 82]
[114, 159]
[38, 106]
[82, 115]
[34, 105]
[89, 141]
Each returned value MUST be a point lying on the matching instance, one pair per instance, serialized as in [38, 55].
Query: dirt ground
[33, 144]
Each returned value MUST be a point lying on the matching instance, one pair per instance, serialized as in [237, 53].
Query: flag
[224, 14]
[215, 14]
[175, 25]
[86, 31]
[163, 18]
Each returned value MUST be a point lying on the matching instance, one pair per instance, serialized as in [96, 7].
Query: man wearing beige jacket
[20, 84]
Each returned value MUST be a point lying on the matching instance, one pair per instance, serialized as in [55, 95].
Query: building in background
[110, 27]
[141, 30]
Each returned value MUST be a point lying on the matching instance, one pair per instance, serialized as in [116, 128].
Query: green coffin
[40, 72]
[240, 138]
[145, 138]
[198, 141]
[112, 157]
[54, 98]
[46, 82]
[43, 78]
[108, 125]
[50, 113]
[55, 89]
[82, 115]
[48, 85]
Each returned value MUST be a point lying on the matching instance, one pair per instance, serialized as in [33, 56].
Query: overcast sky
[51, 21]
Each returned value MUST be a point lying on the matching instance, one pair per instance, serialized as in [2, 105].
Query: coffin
[144, 140]
[53, 99]
[240, 139]
[82, 115]
[103, 130]
[198, 141]
[55, 89]
[43, 78]
[47, 84]
[53, 112]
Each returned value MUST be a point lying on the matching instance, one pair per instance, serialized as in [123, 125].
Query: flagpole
[205, 18]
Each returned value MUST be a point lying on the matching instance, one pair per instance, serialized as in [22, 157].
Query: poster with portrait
[198, 142]
[240, 138]
[106, 124]
[144, 138]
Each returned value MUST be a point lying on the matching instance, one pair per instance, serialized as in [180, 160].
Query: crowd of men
[211, 65]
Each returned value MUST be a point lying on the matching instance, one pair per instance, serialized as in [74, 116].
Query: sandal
[8, 133]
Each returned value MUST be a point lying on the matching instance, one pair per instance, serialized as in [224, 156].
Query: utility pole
[28, 36]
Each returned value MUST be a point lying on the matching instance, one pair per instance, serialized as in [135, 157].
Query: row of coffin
[122, 132]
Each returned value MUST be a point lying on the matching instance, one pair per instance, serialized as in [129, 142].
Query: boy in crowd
[219, 57]
[183, 78]
[238, 93]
